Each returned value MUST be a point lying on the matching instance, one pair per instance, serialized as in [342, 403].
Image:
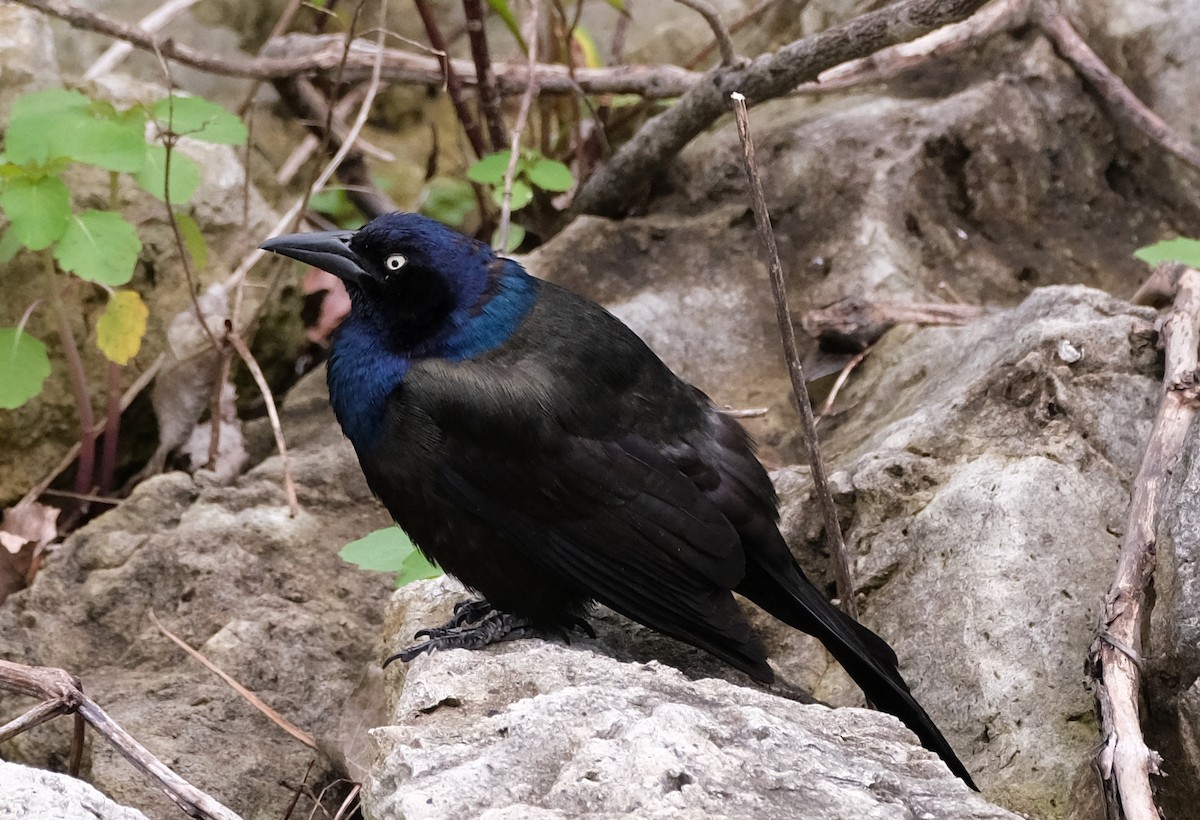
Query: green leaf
[193, 240]
[200, 119]
[24, 365]
[1180, 249]
[505, 13]
[389, 550]
[38, 209]
[9, 246]
[449, 202]
[99, 246]
[522, 195]
[550, 175]
[185, 175]
[490, 169]
[121, 327]
[30, 134]
[65, 124]
[516, 235]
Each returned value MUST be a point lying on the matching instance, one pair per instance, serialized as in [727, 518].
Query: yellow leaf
[121, 327]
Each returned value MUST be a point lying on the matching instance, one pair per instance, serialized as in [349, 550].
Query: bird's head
[412, 279]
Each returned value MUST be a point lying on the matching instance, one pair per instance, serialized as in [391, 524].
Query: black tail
[788, 595]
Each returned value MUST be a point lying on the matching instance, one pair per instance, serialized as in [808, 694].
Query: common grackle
[535, 448]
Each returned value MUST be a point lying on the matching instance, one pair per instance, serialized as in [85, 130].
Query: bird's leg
[477, 624]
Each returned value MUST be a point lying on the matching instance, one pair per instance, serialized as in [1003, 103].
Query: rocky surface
[262, 594]
[34, 793]
[546, 730]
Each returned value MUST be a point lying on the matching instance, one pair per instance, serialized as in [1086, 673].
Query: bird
[535, 448]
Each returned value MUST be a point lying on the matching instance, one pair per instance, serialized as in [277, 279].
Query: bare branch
[61, 692]
[995, 17]
[289, 486]
[723, 40]
[783, 314]
[489, 97]
[305, 54]
[1122, 102]
[767, 77]
[522, 116]
[450, 74]
[152, 22]
[1124, 761]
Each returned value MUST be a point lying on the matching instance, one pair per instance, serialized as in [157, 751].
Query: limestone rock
[538, 729]
[33, 793]
[262, 594]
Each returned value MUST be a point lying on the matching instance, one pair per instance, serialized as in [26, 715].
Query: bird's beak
[327, 250]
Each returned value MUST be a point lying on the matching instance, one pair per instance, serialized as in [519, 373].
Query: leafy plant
[533, 171]
[390, 550]
[48, 132]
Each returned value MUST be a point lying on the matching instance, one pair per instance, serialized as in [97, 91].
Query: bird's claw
[466, 612]
[491, 627]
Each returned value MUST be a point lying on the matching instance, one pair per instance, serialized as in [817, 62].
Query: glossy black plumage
[535, 448]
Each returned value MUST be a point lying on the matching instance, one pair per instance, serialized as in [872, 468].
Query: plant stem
[83, 401]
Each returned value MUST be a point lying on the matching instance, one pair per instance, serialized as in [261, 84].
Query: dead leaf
[29, 522]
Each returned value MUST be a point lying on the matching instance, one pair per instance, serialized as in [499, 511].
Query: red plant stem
[454, 86]
[83, 402]
[112, 429]
[489, 97]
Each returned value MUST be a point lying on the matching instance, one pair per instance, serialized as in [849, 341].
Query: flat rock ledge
[536, 729]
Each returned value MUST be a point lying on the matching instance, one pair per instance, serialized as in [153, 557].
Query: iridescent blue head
[417, 290]
[421, 288]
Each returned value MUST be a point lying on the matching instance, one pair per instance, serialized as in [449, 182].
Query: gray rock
[990, 482]
[26, 53]
[262, 594]
[33, 793]
[540, 729]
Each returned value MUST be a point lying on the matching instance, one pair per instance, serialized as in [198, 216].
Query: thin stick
[152, 22]
[489, 97]
[1124, 760]
[606, 192]
[62, 691]
[839, 383]
[251, 698]
[289, 486]
[833, 531]
[795, 9]
[519, 127]
[720, 32]
[296, 54]
[450, 74]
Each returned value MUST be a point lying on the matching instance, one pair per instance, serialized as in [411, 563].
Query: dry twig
[522, 116]
[765, 78]
[489, 97]
[450, 75]
[721, 35]
[61, 694]
[1124, 761]
[1120, 99]
[762, 220]
[251, 698]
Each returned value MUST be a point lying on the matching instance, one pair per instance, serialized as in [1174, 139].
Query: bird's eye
[395, 261]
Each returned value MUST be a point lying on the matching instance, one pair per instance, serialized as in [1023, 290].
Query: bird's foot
[476, 624]
[470, 611]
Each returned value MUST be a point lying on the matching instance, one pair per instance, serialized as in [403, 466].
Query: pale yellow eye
[395, 262]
